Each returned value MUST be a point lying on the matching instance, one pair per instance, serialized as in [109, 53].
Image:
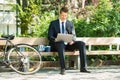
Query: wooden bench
[90, 43]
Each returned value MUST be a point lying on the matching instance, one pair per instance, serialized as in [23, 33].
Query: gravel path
[97, 73]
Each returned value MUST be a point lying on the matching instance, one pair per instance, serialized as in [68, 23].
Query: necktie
[62, 27]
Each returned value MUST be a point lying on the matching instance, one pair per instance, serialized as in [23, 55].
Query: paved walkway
[97, 73]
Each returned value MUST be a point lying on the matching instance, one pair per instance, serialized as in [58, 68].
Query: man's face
[63, 16]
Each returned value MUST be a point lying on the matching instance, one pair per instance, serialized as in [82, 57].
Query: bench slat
[56, 53]
[30, 41]
[99, 40]
[100, 52]
[87, 40]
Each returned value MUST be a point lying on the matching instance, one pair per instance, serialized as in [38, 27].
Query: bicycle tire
[24, 59]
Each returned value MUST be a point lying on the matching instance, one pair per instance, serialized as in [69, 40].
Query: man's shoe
[62, 72]
[84, 70]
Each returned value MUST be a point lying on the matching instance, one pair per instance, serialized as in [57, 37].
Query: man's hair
[64, 9]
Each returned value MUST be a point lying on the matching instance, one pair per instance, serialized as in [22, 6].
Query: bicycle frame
[7, 44]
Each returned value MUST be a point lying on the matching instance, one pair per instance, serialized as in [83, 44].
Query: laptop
[64, 37]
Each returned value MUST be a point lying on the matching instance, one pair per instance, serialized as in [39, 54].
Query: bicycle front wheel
[24, 59]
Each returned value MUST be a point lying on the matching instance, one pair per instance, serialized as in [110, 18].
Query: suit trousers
[78, 45]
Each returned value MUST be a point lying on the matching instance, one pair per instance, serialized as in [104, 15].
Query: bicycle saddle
[10, 37]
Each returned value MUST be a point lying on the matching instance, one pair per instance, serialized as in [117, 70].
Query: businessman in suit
[64, 26]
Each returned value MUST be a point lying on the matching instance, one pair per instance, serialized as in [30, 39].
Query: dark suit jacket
[54, 29]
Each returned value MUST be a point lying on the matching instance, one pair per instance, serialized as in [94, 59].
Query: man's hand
[72, 42]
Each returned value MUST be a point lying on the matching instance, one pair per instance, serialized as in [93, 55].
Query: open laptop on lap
[64, 37]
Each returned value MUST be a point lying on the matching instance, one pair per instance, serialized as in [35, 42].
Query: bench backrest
[88, 40]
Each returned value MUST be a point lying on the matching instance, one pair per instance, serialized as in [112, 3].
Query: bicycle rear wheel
[24, 59]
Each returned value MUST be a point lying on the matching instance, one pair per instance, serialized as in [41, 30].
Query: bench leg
[78, 62]
[74, 62]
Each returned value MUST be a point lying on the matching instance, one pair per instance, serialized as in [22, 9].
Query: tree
[27, 12]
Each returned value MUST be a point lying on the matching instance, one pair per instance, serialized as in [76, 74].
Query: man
[62, 25]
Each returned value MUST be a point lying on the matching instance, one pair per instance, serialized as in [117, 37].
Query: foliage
[41, 29]
[26, 15]
[34, 22]
[104, 22]
[114, 1]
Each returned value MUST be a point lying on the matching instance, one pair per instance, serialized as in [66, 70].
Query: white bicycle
[22, 58]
